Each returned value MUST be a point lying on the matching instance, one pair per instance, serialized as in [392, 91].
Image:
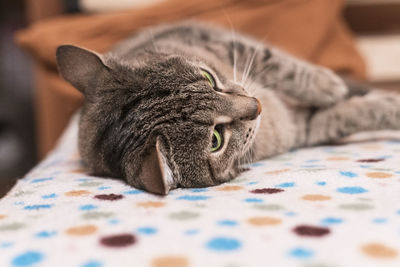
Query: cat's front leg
[377, 110]
[309, 84]
[313, 86]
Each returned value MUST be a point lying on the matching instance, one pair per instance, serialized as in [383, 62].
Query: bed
[321, 206]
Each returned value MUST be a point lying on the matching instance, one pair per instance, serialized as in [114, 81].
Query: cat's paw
[327, 88]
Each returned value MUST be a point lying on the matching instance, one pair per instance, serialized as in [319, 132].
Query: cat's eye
[209, 77]
[217, 140]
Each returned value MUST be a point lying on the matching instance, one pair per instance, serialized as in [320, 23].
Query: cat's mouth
[245, 156]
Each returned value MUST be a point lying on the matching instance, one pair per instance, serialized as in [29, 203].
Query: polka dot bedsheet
[325, 206]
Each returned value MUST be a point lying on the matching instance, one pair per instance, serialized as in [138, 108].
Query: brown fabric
[55, 102]
[310, 29]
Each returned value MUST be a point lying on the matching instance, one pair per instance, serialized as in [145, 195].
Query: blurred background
[29, 127]
[17, 130]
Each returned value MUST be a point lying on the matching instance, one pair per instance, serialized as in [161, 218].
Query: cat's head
[163, 122]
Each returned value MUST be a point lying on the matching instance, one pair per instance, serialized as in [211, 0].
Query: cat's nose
[259, 106]
[248, 108]
[240, 107]
[255, 109]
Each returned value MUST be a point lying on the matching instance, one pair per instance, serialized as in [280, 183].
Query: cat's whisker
[254, 53]
[233, 33]
[150, 32]
[243, 81]
[246, 154]
[246, 158]
[251, 63]
[234, 56]
[252, 87]
[262, 71]
[257, 75]
[257, 87]
[252, 91]
[246, 64]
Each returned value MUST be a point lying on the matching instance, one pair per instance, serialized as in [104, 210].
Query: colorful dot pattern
[322, 206]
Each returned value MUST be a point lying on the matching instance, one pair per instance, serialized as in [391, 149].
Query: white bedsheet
[322, 206]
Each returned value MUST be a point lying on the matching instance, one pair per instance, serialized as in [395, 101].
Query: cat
[187, 104]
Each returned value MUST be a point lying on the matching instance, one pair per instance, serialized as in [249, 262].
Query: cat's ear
[156, 176]
[82, 68]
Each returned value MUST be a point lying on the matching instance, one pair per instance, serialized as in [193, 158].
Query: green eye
[209, 77]
[216, 141]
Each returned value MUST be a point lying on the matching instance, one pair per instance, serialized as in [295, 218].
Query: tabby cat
[187, 104]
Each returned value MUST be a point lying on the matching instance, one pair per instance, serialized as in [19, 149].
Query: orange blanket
[310, 29]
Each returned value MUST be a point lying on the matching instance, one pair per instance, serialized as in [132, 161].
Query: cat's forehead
[179, 64]
[168, 62]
